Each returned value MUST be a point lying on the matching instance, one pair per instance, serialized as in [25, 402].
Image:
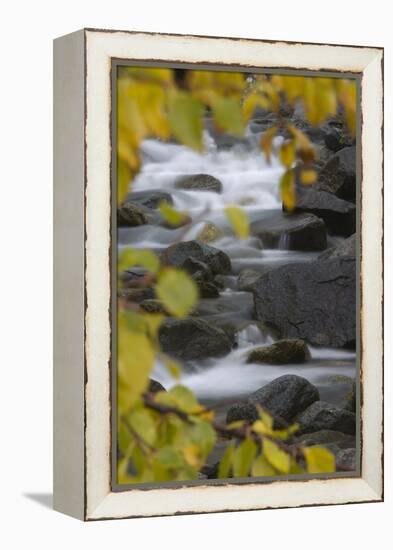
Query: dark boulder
[315, 301]
[346, 460]
[344, 249]
[199, 182]
[339, 215]
[193, 339]
[324, 416]
[338, 176]
[336, 137]
[155, 386]
[283, 398]
[325, 437]
[149, 199]
[247, 278]
[282, 352]
[291, 231]
[216, 260]
[131, 214]
[242, 411]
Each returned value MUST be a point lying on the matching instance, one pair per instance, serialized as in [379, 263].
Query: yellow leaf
[192, 455]
[143, 424]
[287, 153]
[130, 257]
[177, 291]
[251, 102]
[239, 220]
[173, 367]
[308, 177]
[225, 463]
[261, 467]
[228, 115]
[171, 215]
[276, 456]
[319, 460]
[135, 362]
[267, 141]
[288, 191]
[303, 145]
[243, 457]
[185, 117]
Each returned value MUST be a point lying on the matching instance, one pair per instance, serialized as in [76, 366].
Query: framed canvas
[218, 267]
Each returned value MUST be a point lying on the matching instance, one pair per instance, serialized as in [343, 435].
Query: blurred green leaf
[177, 291]
[185, 117]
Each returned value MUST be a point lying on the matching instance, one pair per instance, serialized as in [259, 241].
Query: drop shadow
[45, 499]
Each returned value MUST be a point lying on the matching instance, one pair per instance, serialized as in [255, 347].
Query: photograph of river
[246, 185]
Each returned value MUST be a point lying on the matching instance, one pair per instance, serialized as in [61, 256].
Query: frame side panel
[68, 209]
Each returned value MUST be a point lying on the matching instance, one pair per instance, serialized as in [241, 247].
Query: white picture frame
[82, 257]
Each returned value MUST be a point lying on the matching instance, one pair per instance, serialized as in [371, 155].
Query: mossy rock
[131, 215]
[282, 352]
[209, 233]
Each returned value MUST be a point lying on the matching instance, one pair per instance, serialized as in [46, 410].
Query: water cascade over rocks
[293, 278]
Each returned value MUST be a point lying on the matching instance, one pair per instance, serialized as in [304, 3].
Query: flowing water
[247, 180]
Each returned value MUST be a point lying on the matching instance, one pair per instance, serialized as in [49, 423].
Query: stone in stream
[192, 338]
[315, 301]
[304, 232]
[345, 248]
[282, 352]
[130, 214]
[338, 176]
[339, 215]
[346, 459]
[209, 233]
[247, 277]
[199, 182]
[323, 437]
[216, 260]
[324, 416]
[149, 199]
[283, 398]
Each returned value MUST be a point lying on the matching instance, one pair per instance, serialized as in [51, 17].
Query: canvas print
[235, 347]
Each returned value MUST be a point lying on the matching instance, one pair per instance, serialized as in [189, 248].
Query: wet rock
[344, 249]
[314, 301]
[242, 411]
[131, 214]
[339, 390]
[247, 278]
[136, 295]
[149, 199]
[283, 398]
[193, 339]
[324, 437]
[216, 260]
[281, 353]
[155, 387]
[203, 276]
[209, 233]
[199, 182]
[324, 416]
[336, 137]
[339, 215]
[208, 290]
[152, 306]
[291, 231]
[338, 176]
[346, 460]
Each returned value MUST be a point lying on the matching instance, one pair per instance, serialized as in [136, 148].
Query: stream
[248, 180]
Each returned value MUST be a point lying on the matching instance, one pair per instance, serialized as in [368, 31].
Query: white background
[28, 28]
